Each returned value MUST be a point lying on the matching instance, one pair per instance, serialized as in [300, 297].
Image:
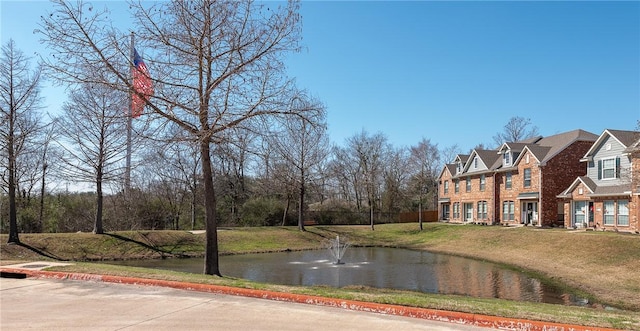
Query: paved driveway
[46, 304]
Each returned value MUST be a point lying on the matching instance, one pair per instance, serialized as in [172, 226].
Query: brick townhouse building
[517, 183]
[607, 197]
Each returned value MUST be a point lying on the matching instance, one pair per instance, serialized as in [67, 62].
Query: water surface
[381, 268]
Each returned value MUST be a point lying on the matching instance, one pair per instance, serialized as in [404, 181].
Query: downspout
[540, 195]
[493, 200]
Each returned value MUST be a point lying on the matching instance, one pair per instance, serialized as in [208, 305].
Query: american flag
[143, 88]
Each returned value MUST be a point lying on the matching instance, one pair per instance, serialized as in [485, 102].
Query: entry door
[530, 212]
[468, 212]
[445, 211]
[580, 214]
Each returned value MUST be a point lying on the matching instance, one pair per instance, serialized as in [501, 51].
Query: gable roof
[559, 142]
[488, 157]
[588, 183]
[625, 138]
[450, 167]
[548, 147]
[513, 146]
[595, 190]
[462, 158]
[539, 152]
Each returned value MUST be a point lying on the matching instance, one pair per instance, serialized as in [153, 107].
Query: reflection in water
[382, 268]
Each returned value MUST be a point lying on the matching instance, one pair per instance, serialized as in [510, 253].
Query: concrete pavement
[51, 304]
[41, 299]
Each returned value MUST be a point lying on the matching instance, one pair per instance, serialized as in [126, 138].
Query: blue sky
[451, 71]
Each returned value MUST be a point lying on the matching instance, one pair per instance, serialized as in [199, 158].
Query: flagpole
[127, 170]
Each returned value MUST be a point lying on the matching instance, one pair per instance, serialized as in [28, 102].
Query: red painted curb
[424, 313]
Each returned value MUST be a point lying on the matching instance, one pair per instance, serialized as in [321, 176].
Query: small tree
[370, 152]
[425, 159]
[91, 129]
[302, 144]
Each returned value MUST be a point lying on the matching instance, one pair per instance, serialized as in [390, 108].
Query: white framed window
[506, 158]
[475, 162]
[609, 212]
[456, 186]
[483, 182]
[446, 186]
[623, 213]
[608, 170]
[507, 180]
[482, 210]
[527, 177]
[456, 210]
[468, 184]
[508, 211]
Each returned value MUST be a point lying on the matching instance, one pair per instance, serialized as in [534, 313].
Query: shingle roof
[488, 156]
[613, 190]
[452, 168]
[627, 138]
[559, 142]
[463, 157]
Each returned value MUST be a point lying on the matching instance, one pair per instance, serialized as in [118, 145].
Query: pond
[390, 268]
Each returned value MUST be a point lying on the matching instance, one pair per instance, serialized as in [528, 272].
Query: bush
[261, 212]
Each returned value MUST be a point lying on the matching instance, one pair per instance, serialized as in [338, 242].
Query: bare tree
[173, 170]
[345, 168]
[395, 174]
[214, 65]
[92, 136]
[231, 159]
[19, 100]
[518, 128]
[425, 159]
[448, 154]
[302, 144]
[370, 151]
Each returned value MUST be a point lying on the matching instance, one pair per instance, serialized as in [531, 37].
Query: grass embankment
[604, 266]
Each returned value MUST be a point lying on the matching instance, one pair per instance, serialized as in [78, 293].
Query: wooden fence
[427, 216]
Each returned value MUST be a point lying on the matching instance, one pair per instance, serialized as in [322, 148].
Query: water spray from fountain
[337, 249]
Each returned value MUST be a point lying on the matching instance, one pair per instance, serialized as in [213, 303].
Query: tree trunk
[301, 204]
[371, 214]
[42, 191]
[193, 202]
[420, 213]
[286, 209]
[13, 217]
[211, 266]
[97, 227]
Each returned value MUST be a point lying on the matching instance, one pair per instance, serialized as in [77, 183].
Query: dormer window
[459, 168]
[506, 158]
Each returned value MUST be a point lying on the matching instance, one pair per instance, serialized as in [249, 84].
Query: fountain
[337, 249]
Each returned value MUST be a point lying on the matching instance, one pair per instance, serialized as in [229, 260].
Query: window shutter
[599, 169]
[618, 167]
